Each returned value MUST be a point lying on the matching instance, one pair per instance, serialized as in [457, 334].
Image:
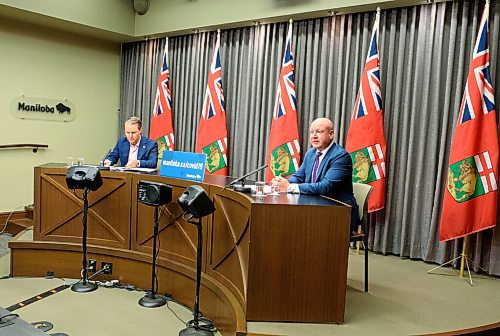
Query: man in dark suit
[326, 170]
[134, 150]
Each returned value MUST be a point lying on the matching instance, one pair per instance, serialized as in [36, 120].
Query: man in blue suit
[326, 170]
[134, 150]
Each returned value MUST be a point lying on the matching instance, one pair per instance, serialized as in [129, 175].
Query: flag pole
[463, 259]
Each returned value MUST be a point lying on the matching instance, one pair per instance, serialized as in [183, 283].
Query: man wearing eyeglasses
[134, 150]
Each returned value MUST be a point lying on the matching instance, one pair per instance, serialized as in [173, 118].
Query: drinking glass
[275, 187]
[259, 188]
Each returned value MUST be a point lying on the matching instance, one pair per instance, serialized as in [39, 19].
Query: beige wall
[116, 19]
[110, 15]
[185, 15]
[40, 62]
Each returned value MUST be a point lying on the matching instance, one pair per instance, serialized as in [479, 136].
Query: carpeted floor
[403, 300]
[4, 240]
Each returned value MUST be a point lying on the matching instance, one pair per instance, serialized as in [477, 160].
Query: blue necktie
[315, 167]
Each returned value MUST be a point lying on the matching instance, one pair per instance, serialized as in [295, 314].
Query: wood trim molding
[486, 330]
[64, 259]
[15, 215]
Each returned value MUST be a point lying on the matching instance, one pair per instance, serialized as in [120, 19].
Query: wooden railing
[33, 146]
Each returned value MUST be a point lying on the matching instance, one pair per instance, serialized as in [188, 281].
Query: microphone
[101, 164]
[242, 188]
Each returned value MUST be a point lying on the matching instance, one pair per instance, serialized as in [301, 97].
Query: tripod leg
[468, 270]
[442, 265]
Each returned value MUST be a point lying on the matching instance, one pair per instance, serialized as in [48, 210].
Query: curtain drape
[425, 53]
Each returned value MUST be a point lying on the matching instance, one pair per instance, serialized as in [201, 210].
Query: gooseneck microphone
[242, 188]
[101, 164]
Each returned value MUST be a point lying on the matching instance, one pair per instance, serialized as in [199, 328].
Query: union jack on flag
[369, 97]
[366, 138]
[478, 95]
[163, 101]
[212, 130]
[214, 97]
[285, 97]
[161, 128]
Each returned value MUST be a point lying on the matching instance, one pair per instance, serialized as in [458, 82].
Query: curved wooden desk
[282, 258]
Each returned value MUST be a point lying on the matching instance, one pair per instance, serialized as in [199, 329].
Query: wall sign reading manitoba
[43, 109]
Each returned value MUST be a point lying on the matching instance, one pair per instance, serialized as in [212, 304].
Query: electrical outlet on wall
[107, 267]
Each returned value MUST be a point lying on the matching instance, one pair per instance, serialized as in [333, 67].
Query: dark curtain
[425, 53]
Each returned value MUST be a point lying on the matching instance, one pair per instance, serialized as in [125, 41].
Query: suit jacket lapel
[141, 149]
[309, 170]
[324, 161]
[126, 150]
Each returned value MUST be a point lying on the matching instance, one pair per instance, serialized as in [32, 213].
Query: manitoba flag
[366, 138]
[369, 164]
[470, 198]
[285, 159]
[212, 131]
[471, 177]
[283, 152]
[161, 128]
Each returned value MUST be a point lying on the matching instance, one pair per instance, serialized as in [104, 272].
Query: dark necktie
[315, 167]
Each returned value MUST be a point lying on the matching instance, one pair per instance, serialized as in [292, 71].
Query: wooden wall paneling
[58, 216]
[281, 258]
[292, 251]
[177, 238]
[37, 203]
[229, 240]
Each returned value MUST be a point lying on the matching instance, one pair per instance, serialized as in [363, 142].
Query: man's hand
[106, 163]
[283, 182]
[132, 164]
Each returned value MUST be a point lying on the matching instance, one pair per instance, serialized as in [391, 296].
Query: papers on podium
[138, 170]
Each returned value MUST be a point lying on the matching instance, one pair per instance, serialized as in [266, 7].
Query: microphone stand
[193, 327]
[242, 188]
[151, 299]
[101, 164]
[85, 285]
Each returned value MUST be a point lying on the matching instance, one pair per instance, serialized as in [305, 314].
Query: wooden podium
[280, 258]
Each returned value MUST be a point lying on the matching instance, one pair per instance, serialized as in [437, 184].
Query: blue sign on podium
[183, 165]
